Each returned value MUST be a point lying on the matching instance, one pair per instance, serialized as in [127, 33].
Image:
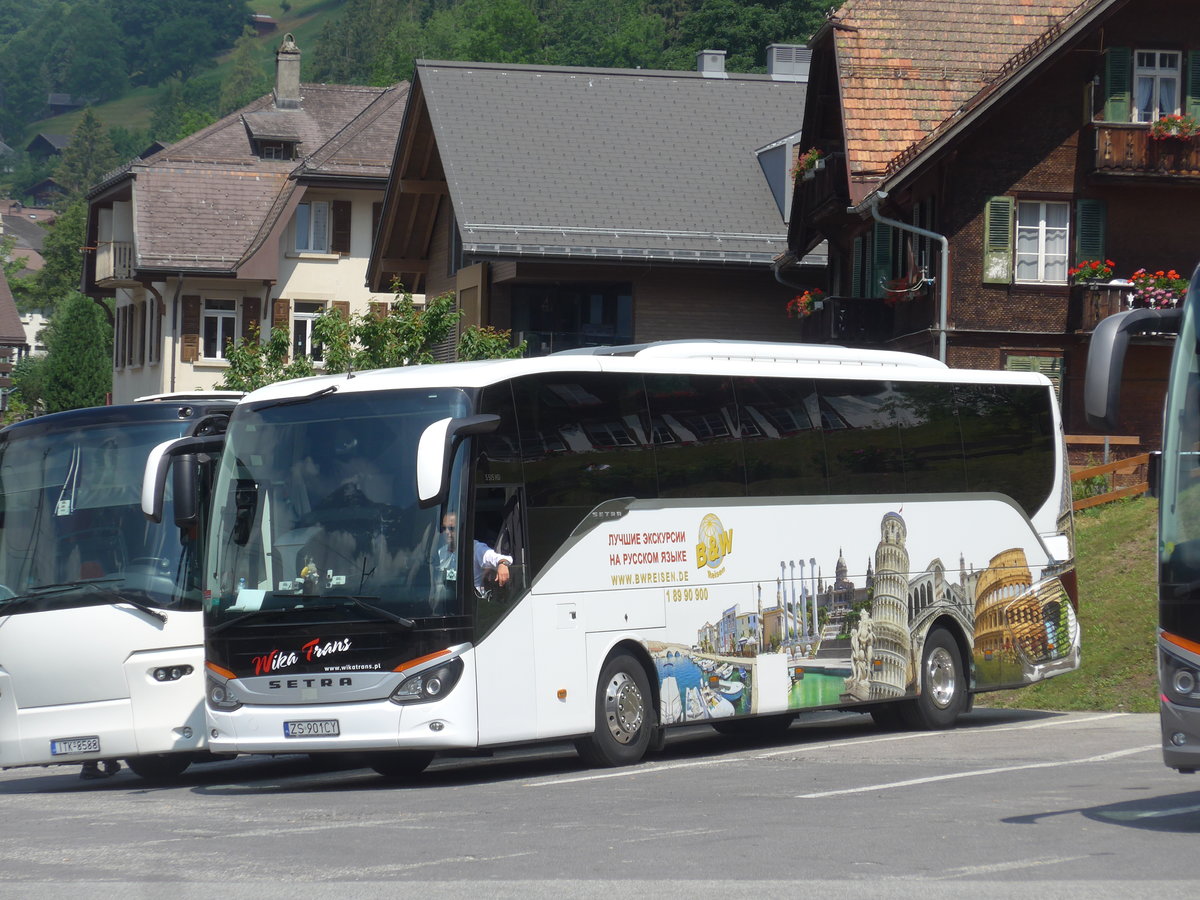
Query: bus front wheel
[944, 687]
[623, 715]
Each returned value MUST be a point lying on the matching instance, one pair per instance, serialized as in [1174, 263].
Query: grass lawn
[1118, 612]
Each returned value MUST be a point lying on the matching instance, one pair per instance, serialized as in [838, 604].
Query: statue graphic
[858, 685]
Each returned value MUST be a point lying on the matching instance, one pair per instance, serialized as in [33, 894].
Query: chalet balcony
[864, 322]
[1124, 149]
[114, 264]
[1089, 304]
[823, 190]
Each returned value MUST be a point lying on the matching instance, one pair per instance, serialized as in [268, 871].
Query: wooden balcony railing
[1089, 303]
[862, 321]
[114, 262]
[1128, 149]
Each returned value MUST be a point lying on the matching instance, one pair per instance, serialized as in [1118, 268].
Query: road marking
[654, 769]
[1121, 815]
[913, 735]
[976, 871]
[1103, 757]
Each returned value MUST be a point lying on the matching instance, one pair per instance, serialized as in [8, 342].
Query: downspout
[943, 279]
[175, 328]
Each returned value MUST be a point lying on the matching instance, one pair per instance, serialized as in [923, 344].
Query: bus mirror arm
[154, 479]
[436, 450]
[1106, 360]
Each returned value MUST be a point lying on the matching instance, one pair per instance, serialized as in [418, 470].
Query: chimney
[711, 63]
[287, 74]
[788, 62]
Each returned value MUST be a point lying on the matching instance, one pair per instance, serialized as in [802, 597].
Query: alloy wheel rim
[940, 680]
[624, 708]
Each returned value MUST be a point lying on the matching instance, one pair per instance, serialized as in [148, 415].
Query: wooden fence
[1127, 466]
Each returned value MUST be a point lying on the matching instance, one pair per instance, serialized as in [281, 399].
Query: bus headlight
[221, 697]
[432, 684]
[1180, 679]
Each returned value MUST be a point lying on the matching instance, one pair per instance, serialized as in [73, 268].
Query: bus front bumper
[1180, 736]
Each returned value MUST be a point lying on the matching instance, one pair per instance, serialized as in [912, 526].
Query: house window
[220, 324]
[276, 150]
[1041, 247]
[312, 227]
[564, 316]
[302, 335]
[1155, 85]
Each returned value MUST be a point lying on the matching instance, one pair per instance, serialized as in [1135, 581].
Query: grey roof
[209, 201]
[610, 163]
[12, 334]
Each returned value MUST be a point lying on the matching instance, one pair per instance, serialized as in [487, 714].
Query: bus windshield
[315, 511]
[73, 531]
[1179, 512]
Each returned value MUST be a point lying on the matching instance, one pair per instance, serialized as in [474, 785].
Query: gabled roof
[11, 331]
[209, 202]
[905, 68]
[566, 162]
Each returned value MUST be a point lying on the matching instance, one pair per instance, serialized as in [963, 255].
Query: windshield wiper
[321, 603]
[291, 401]
[111, 597]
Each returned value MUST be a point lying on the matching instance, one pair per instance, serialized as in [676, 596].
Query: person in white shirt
[487, 560]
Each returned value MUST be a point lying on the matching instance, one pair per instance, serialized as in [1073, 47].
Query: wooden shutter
[342, 308]
[251, 312]
[340, 238]
[1050, 366]
[1089, 229]
[281, 314]
[997, 240]
[1192, 80]
[378, 309]
[881, 259]
[1118, 94]
[856, 268]
[189, 332]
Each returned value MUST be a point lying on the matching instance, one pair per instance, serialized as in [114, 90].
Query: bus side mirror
[154, 478]
[435, 452]
[183, 486]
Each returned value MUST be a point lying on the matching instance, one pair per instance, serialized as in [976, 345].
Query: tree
[488, 343]
[29, 387]
[253, 364]
[246, 79]
[405, 336]
[62, 251]
[78, 367]
[88, 157]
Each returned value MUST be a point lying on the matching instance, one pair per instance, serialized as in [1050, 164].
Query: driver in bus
[490, 566]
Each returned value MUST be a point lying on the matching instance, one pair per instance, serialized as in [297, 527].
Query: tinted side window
[781, 437]
[929, 435]
[695, 427]
[862, 437]
[1008, 438]
[583, 438]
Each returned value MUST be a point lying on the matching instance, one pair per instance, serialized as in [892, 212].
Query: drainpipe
[175, 328]
[943, 279]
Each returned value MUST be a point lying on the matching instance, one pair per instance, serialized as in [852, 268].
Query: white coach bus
[601, 545]
[101, 641]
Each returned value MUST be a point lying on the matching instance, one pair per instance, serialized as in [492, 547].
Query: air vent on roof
[788, 62]
[711, 63]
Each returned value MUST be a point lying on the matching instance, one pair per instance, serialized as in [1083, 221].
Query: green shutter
[1192, 98]
[856, 268]
[1089, 229]
[997, 240]
[1118, 95]
[1050, 366]
[881, 259]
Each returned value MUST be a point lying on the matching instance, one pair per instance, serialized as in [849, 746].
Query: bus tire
[624, 720]
[159, 766]
[400, 763]
[944, 687]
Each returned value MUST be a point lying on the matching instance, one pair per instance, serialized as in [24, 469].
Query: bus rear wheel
[944, 688]
[159, 766]
[623, 715]
[400, 763]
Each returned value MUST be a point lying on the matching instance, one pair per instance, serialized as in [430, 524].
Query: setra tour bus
[601, 545]
[101, 642]
[1174, 477]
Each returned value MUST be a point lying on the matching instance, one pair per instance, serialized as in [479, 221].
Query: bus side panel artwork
[771, 608]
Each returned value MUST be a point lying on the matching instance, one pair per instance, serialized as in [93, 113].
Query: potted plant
[1092, 271]
[1174, 126]
[1157, 290]
[803, 305]
[808, 163]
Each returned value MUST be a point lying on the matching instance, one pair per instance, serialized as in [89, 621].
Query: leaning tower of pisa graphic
[889, 611]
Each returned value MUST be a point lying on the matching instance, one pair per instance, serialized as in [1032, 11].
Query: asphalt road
[1012, 803]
